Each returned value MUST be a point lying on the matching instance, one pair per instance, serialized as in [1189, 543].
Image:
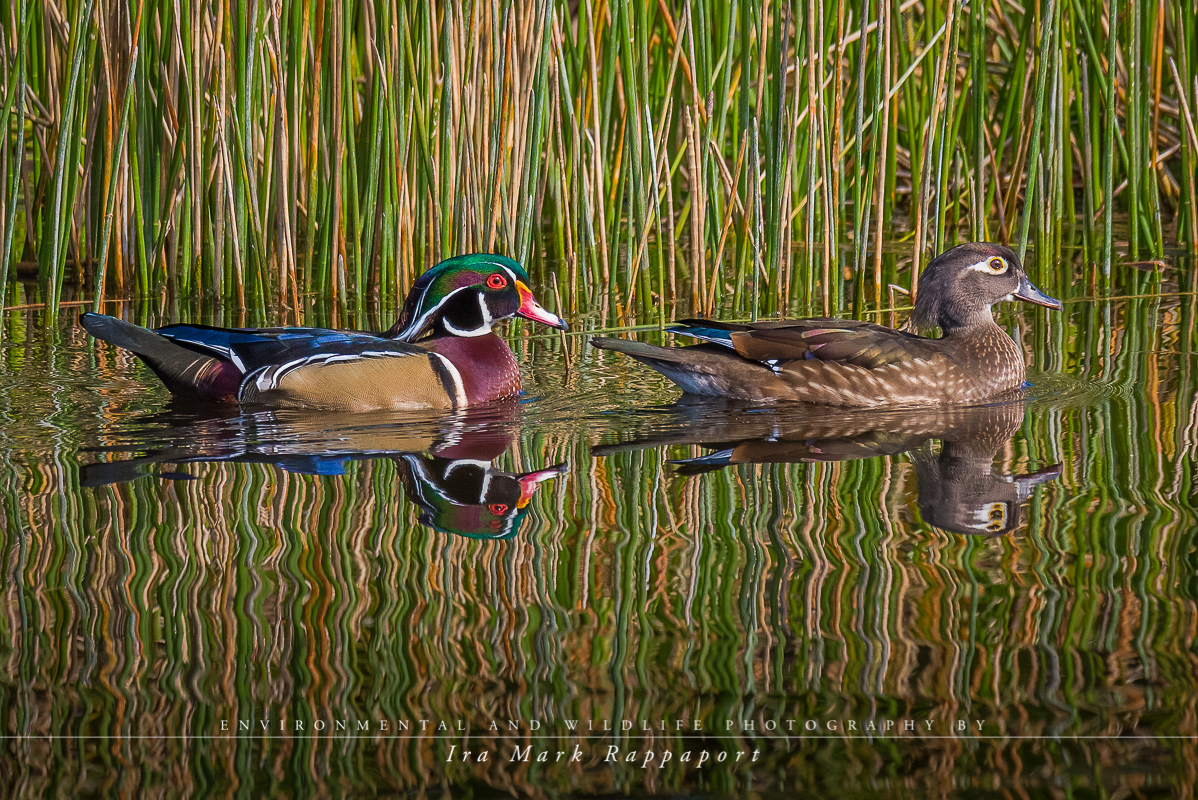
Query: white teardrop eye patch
[995, 266]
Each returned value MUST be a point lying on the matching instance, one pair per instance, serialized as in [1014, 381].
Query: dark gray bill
[1030, 293]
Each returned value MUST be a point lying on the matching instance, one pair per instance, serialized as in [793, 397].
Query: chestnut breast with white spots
[484, 364]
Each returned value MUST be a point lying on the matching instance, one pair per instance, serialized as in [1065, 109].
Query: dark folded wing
[253, 348]
[842, 341]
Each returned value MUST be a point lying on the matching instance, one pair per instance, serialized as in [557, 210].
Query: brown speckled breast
[987, 363]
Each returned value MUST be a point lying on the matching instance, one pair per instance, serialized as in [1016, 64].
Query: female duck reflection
[446, 465]
[959, 490]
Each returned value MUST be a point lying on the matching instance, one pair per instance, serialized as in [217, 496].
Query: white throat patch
[481, 329]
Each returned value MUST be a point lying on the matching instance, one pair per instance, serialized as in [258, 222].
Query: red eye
[498, 509]
[496, 281]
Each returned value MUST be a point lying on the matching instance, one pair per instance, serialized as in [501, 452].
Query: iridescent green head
[465, 295]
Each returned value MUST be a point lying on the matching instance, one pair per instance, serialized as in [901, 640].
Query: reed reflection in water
[263, 567]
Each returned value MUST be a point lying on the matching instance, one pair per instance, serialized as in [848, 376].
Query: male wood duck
[441, 354]
[839, 362]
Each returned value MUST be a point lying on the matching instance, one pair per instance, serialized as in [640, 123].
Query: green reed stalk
[369, 204]
[351, 223]
[191, 25]
[979, 101]
[240, 130]
[945, 131]
[812, 154]
[1155, 175]
[1135, 122]
[1189, 148]
[535, 134]
[1108, 166]
[757, 235]
[879, 162]
[16, 94]
[1187, 28]
[778, 167]
[114, 158]
[1087, 143]
[861, 186]
[1047, 32]
[53, 251]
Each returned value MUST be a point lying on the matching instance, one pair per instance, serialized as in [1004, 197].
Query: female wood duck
[441, 354]
[839, 362]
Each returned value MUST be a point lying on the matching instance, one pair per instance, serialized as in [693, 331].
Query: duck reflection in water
[959, 490]
[445, 464]
[470, 497]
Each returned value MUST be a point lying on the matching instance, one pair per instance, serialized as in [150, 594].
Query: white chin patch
[449, 326]
[479, 331]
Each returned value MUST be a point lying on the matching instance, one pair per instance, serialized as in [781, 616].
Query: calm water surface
[267, 603]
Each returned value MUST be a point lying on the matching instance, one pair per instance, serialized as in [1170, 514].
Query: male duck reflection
[446, 464]
[441, 354]
[470, 497]
[959, 489]
[840, 362]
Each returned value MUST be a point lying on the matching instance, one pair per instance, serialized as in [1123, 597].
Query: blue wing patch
[714, 335]
[720, 458]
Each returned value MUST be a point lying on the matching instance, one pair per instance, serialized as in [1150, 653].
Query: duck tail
[185, 372]
[709, 370]
[141, 341]
[638, 350]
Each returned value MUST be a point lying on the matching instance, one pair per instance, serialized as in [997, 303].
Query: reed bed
[644, 159]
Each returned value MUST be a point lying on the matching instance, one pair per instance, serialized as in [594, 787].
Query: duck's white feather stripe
[223, 352]
[266, 379]
[423, 319]
[459, 388]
